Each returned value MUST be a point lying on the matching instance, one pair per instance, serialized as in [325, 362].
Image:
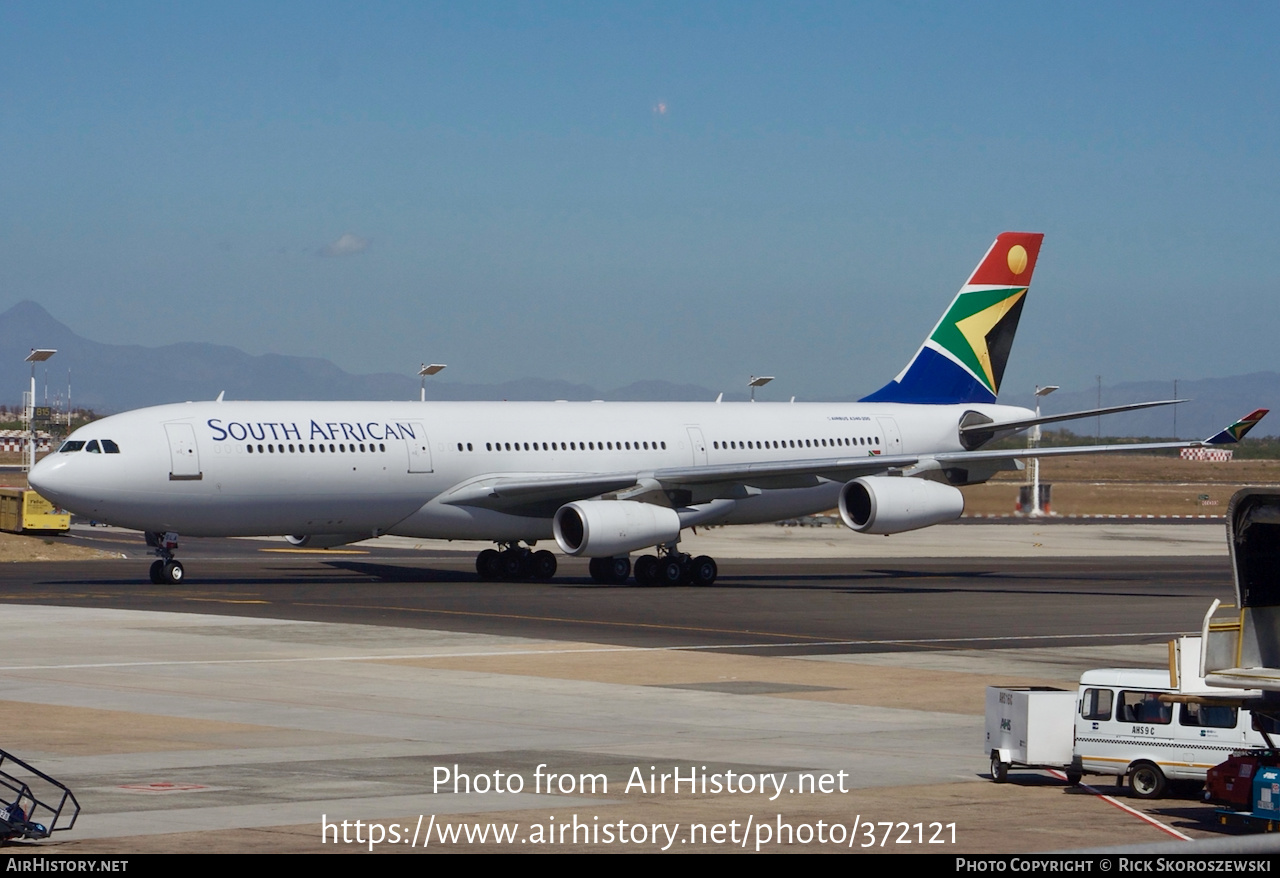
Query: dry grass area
[1137, 468]
[44, 547]
[29, 547]
[1128, 485]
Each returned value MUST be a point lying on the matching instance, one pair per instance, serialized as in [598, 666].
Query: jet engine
[325, 541]
[890, 505]
[605, 528]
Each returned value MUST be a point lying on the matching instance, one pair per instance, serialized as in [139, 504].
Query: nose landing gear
[165, 570]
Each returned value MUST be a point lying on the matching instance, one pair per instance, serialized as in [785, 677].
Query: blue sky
[606, 193]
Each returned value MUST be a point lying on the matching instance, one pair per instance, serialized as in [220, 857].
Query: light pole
[758, 382]
[1035, 443]
[37, 355]
[424, 372]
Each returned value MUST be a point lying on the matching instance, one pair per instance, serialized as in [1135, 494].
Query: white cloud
[347, 245]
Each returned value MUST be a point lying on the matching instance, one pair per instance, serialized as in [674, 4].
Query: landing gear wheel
[1074, 778]
[671, 572]
[999, 770]
[1147, 781]
[157, 572]
[703, 570]
[646, 570]
[610, 571]
[619, 569]
[487, 564]
[172, 572]
[512, 562]
[544, 565]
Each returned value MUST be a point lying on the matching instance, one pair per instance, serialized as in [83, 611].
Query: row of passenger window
[847, 441]
[1146, 708]
[339, 448]
[93, 446]
[567, 446]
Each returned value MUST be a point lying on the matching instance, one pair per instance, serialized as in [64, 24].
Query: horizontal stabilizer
[1069, 416]
[1232, 434]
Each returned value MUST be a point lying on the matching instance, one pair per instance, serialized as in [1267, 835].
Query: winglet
[1237, 431]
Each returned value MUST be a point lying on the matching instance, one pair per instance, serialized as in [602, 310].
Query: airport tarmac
[1049, 538]
[276, 694]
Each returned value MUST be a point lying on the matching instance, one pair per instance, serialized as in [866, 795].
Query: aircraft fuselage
[270, 468]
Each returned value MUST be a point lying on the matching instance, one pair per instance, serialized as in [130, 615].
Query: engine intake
[890, 505]
[604, 528]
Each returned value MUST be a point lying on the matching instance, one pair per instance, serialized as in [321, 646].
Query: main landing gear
[668, 567]
[512, 562]
[165, 570]
[515, 562]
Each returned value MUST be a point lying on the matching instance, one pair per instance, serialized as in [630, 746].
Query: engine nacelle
[604, 528]
[890, 505]
[325, 541]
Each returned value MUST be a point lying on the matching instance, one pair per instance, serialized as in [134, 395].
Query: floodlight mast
[1036, 508]
[424, 372]
[758, 382]
[37, 355]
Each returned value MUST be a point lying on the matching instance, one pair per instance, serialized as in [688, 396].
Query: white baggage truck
[1150, 725]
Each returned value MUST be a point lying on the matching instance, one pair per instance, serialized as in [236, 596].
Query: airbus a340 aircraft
[603, 479]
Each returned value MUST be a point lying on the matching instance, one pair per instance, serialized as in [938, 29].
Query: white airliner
[603, 479]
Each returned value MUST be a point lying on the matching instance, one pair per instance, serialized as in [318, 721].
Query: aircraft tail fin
[963, 359]
[1237, 431]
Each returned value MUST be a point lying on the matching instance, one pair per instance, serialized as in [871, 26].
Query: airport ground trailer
[1030, 727]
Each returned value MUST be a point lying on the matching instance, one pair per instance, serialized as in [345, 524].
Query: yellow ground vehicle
[22, 510]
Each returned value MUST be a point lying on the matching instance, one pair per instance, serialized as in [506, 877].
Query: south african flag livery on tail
[1237, 431]
[963, 359]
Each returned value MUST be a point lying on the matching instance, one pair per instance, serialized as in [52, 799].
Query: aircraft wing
[542, 494]
[535, 493]
[512, 491]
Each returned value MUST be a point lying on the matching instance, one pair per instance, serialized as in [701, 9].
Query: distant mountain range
[109, 378]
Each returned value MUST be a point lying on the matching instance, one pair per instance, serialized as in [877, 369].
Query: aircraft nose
[49, 479]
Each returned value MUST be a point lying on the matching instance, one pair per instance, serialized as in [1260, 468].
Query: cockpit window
[92, 447]
[69, 446]
[110, 447]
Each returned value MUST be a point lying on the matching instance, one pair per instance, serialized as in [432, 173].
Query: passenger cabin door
[890, 436]
[419, 449]
[184, 458]
[699, 446]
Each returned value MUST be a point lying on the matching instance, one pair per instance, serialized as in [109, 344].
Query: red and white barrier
[1213, 455]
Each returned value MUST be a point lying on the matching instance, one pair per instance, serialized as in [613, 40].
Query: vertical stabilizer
[963, 359]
